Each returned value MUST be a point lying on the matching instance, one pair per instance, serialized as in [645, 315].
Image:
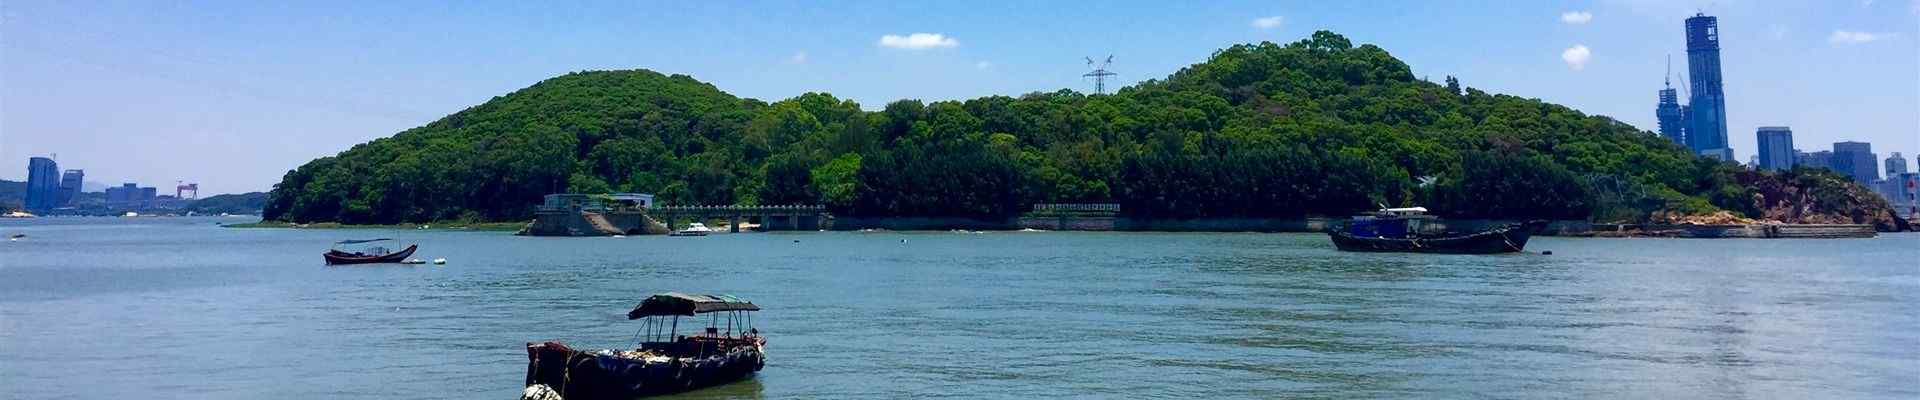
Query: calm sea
[182, 308]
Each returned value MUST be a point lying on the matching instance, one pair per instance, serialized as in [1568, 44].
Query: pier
[570, 214]
[770, 218]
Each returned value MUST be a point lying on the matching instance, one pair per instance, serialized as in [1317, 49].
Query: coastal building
[1818, 159]
[1707, 109]
[129, 195]
[70, 182]
[1902, 191]
[1775, 148]
[43, 184]
[1855, 159]
[1672, 115]
[1896, 165]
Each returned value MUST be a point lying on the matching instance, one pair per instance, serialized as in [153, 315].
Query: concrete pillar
[735, 227]
[793, 221]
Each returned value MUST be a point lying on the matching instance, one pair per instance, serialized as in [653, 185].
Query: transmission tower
[1099, 74]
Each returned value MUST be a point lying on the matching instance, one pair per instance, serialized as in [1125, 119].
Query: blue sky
[233, 94]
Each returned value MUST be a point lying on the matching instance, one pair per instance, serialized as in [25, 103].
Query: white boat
[693, 229]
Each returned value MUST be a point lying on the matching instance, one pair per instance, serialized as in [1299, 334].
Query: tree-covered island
[1318, 127]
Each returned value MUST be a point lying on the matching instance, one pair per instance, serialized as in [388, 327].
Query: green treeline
[1316, 127]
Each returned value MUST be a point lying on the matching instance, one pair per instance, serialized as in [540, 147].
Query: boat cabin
[729, 325]
[1390, 223]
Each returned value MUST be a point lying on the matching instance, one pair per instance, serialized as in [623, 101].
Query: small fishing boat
[692, 229]
[729, 349]
[366, 251]
[1401, 230]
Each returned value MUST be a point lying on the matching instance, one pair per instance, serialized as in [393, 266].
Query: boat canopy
[361, 241]
[675, 303]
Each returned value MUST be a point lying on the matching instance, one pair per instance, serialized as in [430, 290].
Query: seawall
[1741, 231]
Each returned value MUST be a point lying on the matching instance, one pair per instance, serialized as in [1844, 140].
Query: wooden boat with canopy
[366, 251]
[728, 349]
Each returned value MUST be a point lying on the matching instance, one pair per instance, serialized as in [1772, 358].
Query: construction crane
[183, 190]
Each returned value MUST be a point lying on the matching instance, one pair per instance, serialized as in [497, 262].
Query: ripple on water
[251, 314]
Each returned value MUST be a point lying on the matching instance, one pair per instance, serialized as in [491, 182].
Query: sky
[233, 94]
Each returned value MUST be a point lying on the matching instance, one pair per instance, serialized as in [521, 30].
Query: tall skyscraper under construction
[1672, 115]
[1707, 113]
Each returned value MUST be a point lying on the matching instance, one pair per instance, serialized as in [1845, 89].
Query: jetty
[574, 214]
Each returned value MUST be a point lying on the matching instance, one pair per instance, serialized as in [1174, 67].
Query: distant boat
[369, 251]
[693, 229]
[130, 214]
[727, 350]
[18, 214]
[1399, 230]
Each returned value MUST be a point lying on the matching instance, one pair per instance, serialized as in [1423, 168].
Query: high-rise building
[1775, 147]
[43, 184]
[1856, 159]
[1896, 165]
[1707, 114]
[70, 182]
[1673, 121]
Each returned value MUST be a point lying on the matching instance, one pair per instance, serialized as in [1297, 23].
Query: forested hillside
[1316, 127]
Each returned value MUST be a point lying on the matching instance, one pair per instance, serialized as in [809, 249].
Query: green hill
[1316, 127]
[241, 203]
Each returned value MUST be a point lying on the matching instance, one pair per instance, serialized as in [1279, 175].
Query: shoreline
[436, 226]
[1567, 228]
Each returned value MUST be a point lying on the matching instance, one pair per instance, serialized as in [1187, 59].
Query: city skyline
[228, 95]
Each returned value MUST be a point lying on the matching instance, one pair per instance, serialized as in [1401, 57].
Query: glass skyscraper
[1707, 116]
[1776, 147]
[43, 184]
[1856, 159]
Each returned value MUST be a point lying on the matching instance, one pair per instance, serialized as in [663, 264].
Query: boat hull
[340, 258]
[578, 375]
[1509, 239]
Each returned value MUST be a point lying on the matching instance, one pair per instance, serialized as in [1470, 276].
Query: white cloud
[1269, 22]
[918, 41]
[1577, 56]
[797, 58]
[1855, 37]
[983, 65]
[1576, 17]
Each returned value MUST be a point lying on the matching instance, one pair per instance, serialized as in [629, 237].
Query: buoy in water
[439, 261]
[1546, 252]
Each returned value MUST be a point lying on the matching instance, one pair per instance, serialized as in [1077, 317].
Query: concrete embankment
[1553, 228]
[591, 224]
[1115, 223]
[1739, 231]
